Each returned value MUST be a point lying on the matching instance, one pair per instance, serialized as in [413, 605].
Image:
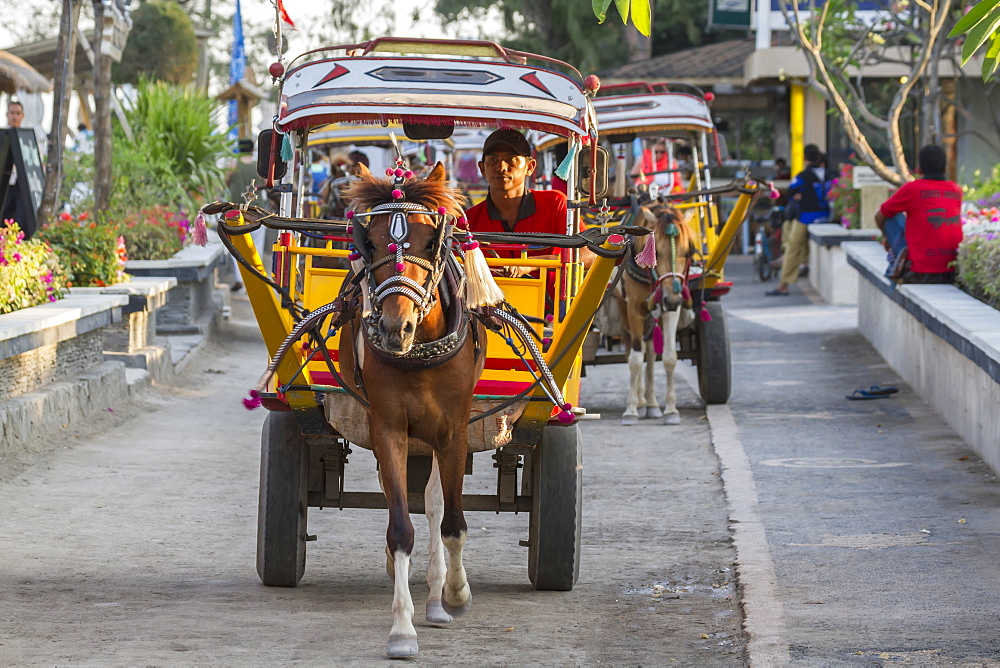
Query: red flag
[286, 20]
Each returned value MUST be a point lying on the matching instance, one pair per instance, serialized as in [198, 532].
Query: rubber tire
[555, 524]
[715, 373]
[283, 504]
[762, 266]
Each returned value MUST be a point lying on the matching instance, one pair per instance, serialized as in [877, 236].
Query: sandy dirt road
[132, 541]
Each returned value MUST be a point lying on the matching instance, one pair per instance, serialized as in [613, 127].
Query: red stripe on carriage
[338, 71]
[504, 387]
[502, 364]
[324, 378]
[531, 78]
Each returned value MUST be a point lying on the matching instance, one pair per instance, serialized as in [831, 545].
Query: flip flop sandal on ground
[776, 293]
[874, 392]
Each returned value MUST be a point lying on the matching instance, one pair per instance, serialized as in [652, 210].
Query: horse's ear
[438, 173]
[361, 170]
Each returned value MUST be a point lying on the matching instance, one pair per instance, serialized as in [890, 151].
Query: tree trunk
[65, 64]
[640, 47]
[102, 118]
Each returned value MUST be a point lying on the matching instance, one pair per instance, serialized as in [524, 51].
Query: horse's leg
[391, 454]
[434, 509]
[633, 328]
[457, 595]
[670, 320]
[636, 363]
[649, 383]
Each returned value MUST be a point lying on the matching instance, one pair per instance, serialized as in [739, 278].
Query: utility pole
[65, 64]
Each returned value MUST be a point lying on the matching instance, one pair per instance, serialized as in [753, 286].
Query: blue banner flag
[237, 68]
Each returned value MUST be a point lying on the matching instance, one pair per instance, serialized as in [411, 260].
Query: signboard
[871, 12]
[20, 162]
[729, 14]
[862, 175]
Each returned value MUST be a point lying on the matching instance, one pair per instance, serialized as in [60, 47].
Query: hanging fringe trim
[647, 257]
[200, 234]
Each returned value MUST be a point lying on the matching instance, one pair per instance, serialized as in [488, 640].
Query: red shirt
[933, 222]
[541, 211]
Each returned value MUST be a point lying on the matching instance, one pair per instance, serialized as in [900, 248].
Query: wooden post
[65, 63]
[102, 115]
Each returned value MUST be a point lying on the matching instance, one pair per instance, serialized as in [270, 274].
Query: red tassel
[200, 230]
[657, 337]
[647, 257]
[705, 315]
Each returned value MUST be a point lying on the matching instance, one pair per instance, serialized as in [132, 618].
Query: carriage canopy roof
[455, 83]
[652, 109]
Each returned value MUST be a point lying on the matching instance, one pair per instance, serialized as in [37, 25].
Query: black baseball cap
[510, 138]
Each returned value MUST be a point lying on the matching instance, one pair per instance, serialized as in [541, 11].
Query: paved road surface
[135, 544]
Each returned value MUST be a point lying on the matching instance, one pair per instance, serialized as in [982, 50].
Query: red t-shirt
[933, 222]
[541, 211]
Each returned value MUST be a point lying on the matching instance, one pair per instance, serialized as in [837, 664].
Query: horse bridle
[399, 230]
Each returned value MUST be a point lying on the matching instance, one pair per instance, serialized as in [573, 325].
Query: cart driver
[510, 206]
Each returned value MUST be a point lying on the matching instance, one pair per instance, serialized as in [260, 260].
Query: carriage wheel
[281, 514]
[762, 266]
[714, 369]
[554, 527]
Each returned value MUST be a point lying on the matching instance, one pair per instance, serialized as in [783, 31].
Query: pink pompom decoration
[389, 171]
[566, 417]
[393, 248]
[549, 317]
[399, 171]
[350, 215]
[567, 407]
[470, 245]
[442, 210]
[354, 255]
[408, 174]
[350, 230]
[397, 193]
[705, 315]
[546, 341]
[400, 266]
[253, 401]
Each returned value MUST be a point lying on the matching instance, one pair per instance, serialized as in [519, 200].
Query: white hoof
[629, 420]
[460, 601]
[435, 613]
[653, 412]
[672, 419]
[401, 647]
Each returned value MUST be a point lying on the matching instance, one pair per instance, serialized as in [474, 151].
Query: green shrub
[154, 234]
[92, 252]
[31, 273]
[978, 264]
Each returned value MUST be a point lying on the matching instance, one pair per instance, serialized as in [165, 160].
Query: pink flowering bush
[155, 232]
[93, 253]
[30, 272]
[845, 201]
[978, 266]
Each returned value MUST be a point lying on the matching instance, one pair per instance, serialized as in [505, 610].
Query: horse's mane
[662, 216]
[368, 192]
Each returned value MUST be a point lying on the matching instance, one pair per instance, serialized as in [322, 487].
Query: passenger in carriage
[509, 205]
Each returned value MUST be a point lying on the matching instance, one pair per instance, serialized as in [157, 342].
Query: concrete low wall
[52, 368]
[134, 340]
[194, 301]
[942, 342]
[829, 273]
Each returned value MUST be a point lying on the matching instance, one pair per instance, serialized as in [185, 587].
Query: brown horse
[416, 356]
[656, 305]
